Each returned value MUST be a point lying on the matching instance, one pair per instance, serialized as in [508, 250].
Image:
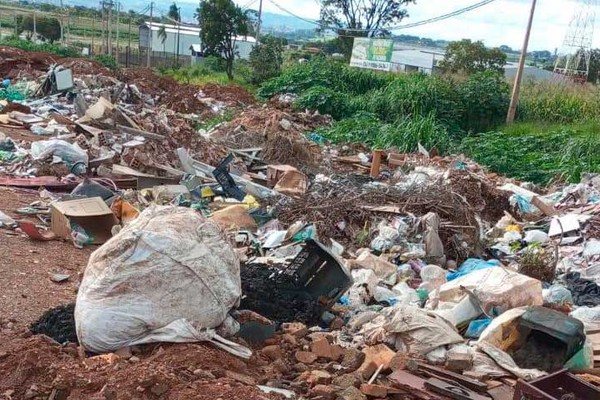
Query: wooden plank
[453, 391]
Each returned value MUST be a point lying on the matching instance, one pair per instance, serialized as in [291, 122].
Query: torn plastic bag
[470, 265]
[384, 270]
[89, 188]
[170, 275]
[434, 248]
[590, 316]
[433, 277]
[557, 294]
[69, 153]
[363, 288]
[420, 330]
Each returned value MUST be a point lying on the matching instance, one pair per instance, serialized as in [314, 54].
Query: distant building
[426, 61]
[188, 38]
[416, 60]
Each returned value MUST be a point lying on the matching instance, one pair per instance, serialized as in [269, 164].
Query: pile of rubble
[327, 272]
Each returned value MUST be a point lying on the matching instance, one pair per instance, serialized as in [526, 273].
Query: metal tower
[574, 57]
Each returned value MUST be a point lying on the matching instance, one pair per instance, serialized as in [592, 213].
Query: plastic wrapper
[69, 153]
[557, 294]
[433, 276]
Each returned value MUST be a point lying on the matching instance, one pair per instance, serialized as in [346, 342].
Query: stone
[305, 357]
[286, 337]
[373, 390]
[368, 369]
[352, 359]
[202, 373]
[347, 380]
[273, 352]
[300, 367]
[351, 393]
[280, 366]
[159, 389]
[296, 329]
[245, 379]
[398, 362]
[124, 352]
[336, 324]
[459, 358]
[379, 354]
[315, 377]
[323, 349]
[324, 391]
[134, 359]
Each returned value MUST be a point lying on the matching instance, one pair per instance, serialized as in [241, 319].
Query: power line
[397, 27]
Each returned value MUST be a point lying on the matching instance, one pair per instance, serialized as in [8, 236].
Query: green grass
[538, 152]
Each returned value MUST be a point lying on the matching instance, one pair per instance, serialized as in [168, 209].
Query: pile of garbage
[338, 273]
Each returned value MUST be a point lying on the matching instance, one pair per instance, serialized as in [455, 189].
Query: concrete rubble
[420, 277]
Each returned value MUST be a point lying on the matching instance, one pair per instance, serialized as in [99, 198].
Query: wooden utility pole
[93, 33]
[15, 21]
[110, 7]
[34, 27]
[258, 22]
[118, 20]
[514, 100]
[150, 35]
[62, 22]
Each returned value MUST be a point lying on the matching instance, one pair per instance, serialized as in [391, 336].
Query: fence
[135, 57]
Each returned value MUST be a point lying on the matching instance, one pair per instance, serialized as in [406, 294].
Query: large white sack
[171, 275]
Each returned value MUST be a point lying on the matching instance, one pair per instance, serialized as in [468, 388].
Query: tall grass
[539, 153]
[559, 102]
[404, 135]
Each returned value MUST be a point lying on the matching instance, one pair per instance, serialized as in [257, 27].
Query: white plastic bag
[67, 152]
[170, 275]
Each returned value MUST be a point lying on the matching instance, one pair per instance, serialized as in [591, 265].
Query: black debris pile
[272, 294]
[57, 323]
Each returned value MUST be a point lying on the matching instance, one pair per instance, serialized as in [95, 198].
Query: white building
[187, 36]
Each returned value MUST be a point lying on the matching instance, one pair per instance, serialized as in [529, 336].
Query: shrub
[266, 59]
[326, 101]
[484, 100]
[106, 60]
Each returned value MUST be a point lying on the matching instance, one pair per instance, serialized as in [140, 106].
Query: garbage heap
[339, 273]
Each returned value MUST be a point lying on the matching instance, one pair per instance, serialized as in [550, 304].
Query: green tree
[594, 69]
[221, 22]
[266, 59]
[162, 35]
[469, 57]
[361, 18]
[47, 28]
[174, 12]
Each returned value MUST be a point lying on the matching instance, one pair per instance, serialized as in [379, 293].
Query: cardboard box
[92, 214]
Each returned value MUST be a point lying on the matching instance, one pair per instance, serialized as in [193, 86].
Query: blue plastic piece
[476, 327]
[470, 265]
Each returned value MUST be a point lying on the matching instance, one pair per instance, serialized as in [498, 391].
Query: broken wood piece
[376, 163]
[463, 380]
[33, 232]
[127, 171]
[121, 113]
[542, 206]
[133, 131]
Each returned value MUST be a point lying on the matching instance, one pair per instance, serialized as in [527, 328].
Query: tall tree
[221, 22]
[174, 12]
[162, 35]
[469, 57]
[47, 28]
[361, 18]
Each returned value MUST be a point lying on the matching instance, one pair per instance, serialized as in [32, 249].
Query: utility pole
[258, 22]
[128, 44]
[15, 21]
[103, 30]
[110, 7]
[34, 27]
[118, 19]
[178, 29]
[150, 35]
[93, 33]
[514, 100]
[62, 22]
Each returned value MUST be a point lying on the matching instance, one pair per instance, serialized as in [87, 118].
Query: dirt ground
[36, 367]
[26, 265]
